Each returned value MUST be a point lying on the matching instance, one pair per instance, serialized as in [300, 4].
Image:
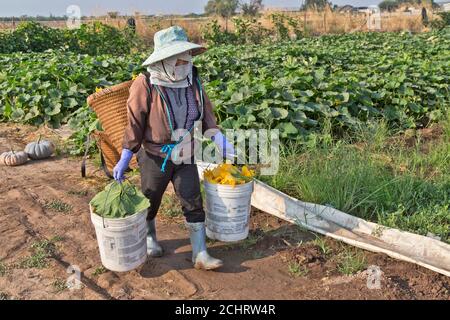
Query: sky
[98, 7]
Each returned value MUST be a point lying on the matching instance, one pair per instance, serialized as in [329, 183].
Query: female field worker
[170, 98]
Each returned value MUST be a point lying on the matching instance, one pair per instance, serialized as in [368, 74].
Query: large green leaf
[119, 200]
[287, 129]
[32, 113]
[53, 109]
[299, 117]
[237, 97]
[17, 114]
[70, 103]
[279, 113]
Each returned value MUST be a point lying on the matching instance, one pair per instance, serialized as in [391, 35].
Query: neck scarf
[166, 73]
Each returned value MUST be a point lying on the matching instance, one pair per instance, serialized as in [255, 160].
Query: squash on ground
[12, 158]
[41, 149]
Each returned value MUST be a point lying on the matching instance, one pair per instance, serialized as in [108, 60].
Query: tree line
[228, 8]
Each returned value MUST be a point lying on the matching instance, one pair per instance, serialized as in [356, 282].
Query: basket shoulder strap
[102, 159]
[86, 150]
[149, 88]
[194, 72]
[104, 166]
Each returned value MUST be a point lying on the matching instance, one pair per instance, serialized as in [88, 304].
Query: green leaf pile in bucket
[119, 200]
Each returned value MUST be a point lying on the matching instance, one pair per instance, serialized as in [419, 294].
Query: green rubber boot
[200, 257]
[153, 247]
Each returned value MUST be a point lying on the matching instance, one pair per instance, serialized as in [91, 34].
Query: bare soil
[48, 200]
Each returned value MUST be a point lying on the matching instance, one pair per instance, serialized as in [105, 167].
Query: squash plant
[294, 86]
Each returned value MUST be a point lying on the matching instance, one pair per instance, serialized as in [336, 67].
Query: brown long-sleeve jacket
[147, 119]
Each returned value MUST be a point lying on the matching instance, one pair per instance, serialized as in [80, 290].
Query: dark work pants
[185, 181]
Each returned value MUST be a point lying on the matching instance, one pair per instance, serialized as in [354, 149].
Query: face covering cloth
[166, 73]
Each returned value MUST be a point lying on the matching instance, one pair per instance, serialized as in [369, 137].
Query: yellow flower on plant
[98, 89]
[134, 77]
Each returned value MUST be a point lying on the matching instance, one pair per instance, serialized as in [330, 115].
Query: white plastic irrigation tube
[424, 251]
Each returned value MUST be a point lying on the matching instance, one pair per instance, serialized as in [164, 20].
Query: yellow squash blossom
[229, 174]
[247, 172]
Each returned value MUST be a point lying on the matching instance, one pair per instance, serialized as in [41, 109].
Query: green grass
[57, 238]
[4, 296]
[170, 206]
[351, 261]
[375, 177]
[99, 270]
[245, 244]
[59, 285]
[297, 270]
[258, 254]
[41, 252]
[321, 242]
[96, 160]
[210, 241]
[250, 241]
[3, 269]
[58, 205]
[79, 193]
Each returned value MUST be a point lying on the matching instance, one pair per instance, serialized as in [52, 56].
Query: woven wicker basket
[110, 105]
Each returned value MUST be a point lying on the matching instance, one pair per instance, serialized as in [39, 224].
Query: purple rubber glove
[122, 165]
[225, 148]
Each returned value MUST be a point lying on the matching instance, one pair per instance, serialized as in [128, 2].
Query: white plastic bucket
[122, 242]
[228, 211]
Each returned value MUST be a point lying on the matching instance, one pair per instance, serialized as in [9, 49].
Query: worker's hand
[122, 165]
[225, 148]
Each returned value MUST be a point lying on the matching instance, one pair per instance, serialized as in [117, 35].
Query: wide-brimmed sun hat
[170, 42]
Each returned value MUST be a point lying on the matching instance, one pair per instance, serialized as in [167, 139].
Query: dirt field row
[45, 228]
